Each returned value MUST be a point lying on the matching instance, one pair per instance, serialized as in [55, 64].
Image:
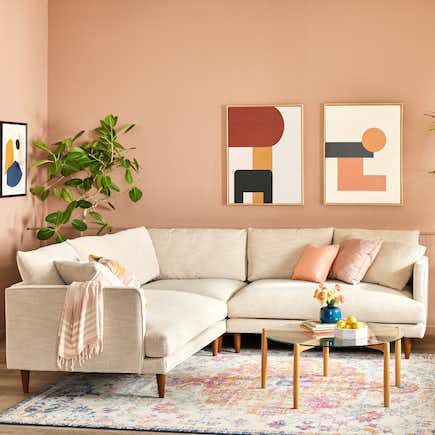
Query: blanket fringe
[87, 353]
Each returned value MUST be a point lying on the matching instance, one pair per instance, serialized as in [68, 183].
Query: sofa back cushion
[404, 236]
[37, 266]
[133, 248]
[274, 253]
[200, 253]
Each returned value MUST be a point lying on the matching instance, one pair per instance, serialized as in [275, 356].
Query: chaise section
[288, 299]
[221, 289]
[175, 318]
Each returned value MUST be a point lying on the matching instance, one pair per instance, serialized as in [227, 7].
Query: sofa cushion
[133, 248]
[221, 289]
[287, 299]
[274, 253]
[200, 253]
[393, 265]
[404, 236]
[174, 318]
[37, 266]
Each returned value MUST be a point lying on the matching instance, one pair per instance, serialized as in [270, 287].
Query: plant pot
[330, 314]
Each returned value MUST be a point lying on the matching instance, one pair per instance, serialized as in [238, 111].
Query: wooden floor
[11, 392]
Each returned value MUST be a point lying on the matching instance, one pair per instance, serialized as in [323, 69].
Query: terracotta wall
[171, 66]
[23, 98]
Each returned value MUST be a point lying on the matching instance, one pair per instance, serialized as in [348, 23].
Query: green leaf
[128, 176]
[39, 163]
[136, 164]
[96, 216]
[68, 212]
[54, 169]
[60, 238]
[111, 120]
[135, 194]
[74, 182]
[45, 233]
[79, 224]
[44, 195]
[101, 229]
[87, 183]
[41, 145]
[113, 186]
[37, 191]
[82, 203]
[57, 193]
[125, 128]
[67, 195]
[78, 135]
[55, 218]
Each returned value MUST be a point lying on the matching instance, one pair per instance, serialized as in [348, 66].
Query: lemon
[359, 325]
[348, 326]
[341, 324]
[351, 319]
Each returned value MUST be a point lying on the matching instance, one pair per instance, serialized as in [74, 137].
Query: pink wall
[171, 66]
[23, 98]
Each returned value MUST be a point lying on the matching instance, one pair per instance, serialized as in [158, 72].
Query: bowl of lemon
[350, 329]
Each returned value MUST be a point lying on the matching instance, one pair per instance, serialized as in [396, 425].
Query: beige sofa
[197, 284]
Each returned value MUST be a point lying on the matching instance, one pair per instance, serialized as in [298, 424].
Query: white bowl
[351, 334]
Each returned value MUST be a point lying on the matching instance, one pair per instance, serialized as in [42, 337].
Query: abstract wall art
[363, 153]
[14, 158]
[265, 155]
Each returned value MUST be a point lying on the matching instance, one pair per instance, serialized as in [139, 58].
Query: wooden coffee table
[379, 338]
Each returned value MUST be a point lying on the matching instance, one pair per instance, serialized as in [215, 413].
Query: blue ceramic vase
[330, 314]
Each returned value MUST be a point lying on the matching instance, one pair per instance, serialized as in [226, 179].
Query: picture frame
[264, 156]
[13, 157]
[362, 153]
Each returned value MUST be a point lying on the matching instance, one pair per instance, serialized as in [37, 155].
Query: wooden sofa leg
[25, 375]
[221, 339]
[237, 342]
[407, 344]
[161, 383]
[215, 346]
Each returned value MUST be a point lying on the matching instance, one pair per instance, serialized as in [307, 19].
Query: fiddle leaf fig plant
[81, 176]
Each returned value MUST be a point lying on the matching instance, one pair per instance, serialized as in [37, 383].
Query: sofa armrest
[32, 322]
[420, 288]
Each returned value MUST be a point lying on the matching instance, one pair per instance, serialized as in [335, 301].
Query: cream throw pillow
[79, 271]
[394, 263]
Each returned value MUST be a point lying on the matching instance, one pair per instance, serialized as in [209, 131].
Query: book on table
[317, 327]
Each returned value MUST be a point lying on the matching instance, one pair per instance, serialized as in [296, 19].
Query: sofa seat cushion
[221, 289]
[173, 318]
[288, 299]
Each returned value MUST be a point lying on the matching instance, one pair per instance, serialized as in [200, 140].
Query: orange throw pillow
[315, 263]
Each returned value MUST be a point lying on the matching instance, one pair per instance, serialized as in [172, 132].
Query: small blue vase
[330, 314]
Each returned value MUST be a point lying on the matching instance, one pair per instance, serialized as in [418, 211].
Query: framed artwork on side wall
[13, 158]
[362, 153]
[265, 154]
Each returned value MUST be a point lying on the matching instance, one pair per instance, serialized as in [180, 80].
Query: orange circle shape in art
[374, 139]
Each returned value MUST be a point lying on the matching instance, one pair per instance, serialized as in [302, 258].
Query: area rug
[222, 395]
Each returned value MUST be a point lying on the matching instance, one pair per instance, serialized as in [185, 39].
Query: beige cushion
[274, 253]
[133, 248]
[221, 289]
[394, 263]
[404, 236]
[79, 271]
[287, 299]
[200, 253]
[37, 266]
[174, 318]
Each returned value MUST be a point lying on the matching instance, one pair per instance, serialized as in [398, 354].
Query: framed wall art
[362, 153]
[13, 158]
[265, 154]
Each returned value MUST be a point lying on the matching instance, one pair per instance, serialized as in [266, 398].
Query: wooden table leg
[398, 356]
[296, 356]
[386, 375]
[263, 359]
[325, 360]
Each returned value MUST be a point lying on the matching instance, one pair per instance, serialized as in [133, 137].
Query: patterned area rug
[223, 395]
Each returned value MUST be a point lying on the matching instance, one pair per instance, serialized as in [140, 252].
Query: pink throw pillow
[315, 263]
[354, 258]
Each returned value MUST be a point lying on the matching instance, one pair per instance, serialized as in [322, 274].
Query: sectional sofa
[197, 284]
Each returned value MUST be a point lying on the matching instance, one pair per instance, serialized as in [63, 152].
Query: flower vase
[330, 314]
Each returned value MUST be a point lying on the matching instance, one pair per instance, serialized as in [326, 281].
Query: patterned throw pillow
[126, 277]
[354, 259]
[315, 263]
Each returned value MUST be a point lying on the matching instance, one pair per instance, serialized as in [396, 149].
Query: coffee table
[379, 338]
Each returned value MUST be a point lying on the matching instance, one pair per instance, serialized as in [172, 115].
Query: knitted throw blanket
[81, 325]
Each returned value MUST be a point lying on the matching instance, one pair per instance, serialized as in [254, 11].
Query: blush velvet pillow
[354, 259]
[315, 263]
